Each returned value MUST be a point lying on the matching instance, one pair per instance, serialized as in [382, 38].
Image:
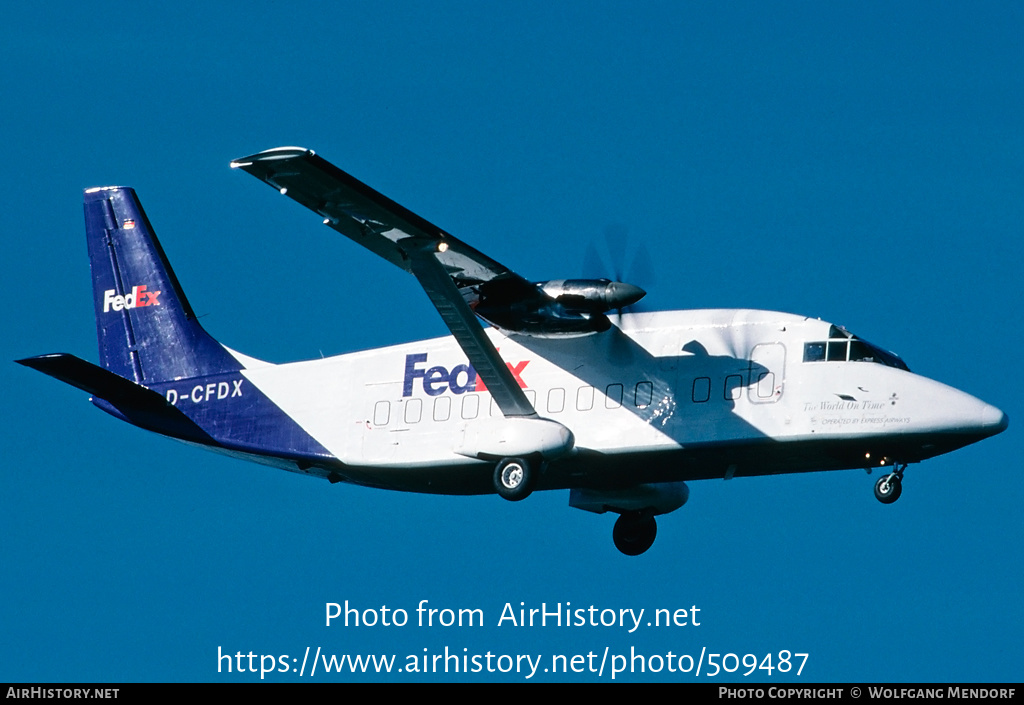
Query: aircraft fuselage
[667, 396]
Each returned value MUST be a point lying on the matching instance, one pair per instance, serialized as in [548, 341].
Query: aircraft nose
[993, 420]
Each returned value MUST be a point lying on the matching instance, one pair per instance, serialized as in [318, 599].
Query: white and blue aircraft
[622, 410]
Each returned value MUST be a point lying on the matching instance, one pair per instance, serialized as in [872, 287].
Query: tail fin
[146, 329]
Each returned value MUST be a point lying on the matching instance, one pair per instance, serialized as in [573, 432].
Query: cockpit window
[861, 352]
[814, 352]
[842, 347]
[837, 350]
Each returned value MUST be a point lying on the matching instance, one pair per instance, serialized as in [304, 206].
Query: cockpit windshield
[842, 346]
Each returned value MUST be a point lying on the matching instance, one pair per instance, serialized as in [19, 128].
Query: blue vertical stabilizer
[146, 329]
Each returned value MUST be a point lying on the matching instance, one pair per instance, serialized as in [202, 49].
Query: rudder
[146, 329]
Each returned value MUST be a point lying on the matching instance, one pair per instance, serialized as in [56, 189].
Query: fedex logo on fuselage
[439, 379]
[137, 299]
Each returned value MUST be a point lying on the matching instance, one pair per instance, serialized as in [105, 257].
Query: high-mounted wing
[446, 268]
[368, 217]
[494, 292]
[460, 280]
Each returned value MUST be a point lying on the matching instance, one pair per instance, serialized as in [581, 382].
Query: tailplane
[146, 328]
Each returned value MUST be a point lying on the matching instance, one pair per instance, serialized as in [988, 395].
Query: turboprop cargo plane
[563, 391]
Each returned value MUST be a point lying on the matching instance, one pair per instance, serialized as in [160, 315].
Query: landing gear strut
[889, 487]
[634, 532]
[514, 478]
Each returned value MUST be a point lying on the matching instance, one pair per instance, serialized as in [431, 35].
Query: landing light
[442, 246]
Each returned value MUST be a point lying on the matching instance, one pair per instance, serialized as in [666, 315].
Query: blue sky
[856, 162]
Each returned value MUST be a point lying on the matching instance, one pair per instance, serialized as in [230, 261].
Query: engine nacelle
[560, 307]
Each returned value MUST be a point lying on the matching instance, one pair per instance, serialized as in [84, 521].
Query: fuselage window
[733, 387]
[413, 410]
[701, 389]
[556, 400]
[766, 385]
[442, 408]
[585, 399]
[644, 394]
[470, 406]
[613, 396]
[531, 396]
[381, 413]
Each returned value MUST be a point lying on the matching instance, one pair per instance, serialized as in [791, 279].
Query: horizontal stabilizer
[137, 404]
[95, 380]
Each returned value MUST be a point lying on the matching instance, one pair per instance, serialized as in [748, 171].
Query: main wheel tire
[514, 479]
[888, 489]
[634, 533]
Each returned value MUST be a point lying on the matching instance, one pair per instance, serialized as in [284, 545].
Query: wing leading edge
[367, 216]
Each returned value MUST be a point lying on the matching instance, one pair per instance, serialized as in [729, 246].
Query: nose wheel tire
[514, 479]
[634, 533]
[888, 488]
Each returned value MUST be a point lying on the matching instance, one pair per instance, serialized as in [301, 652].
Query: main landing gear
[634, 532]
[889, 487]
[514, 478]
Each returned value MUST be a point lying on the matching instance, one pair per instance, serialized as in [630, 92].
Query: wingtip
[37, 360]
[277, 153]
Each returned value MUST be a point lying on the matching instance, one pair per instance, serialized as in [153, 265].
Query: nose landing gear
[889, 487]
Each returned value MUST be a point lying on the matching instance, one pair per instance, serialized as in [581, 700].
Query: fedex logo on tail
[138, 298]
[460, 379]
